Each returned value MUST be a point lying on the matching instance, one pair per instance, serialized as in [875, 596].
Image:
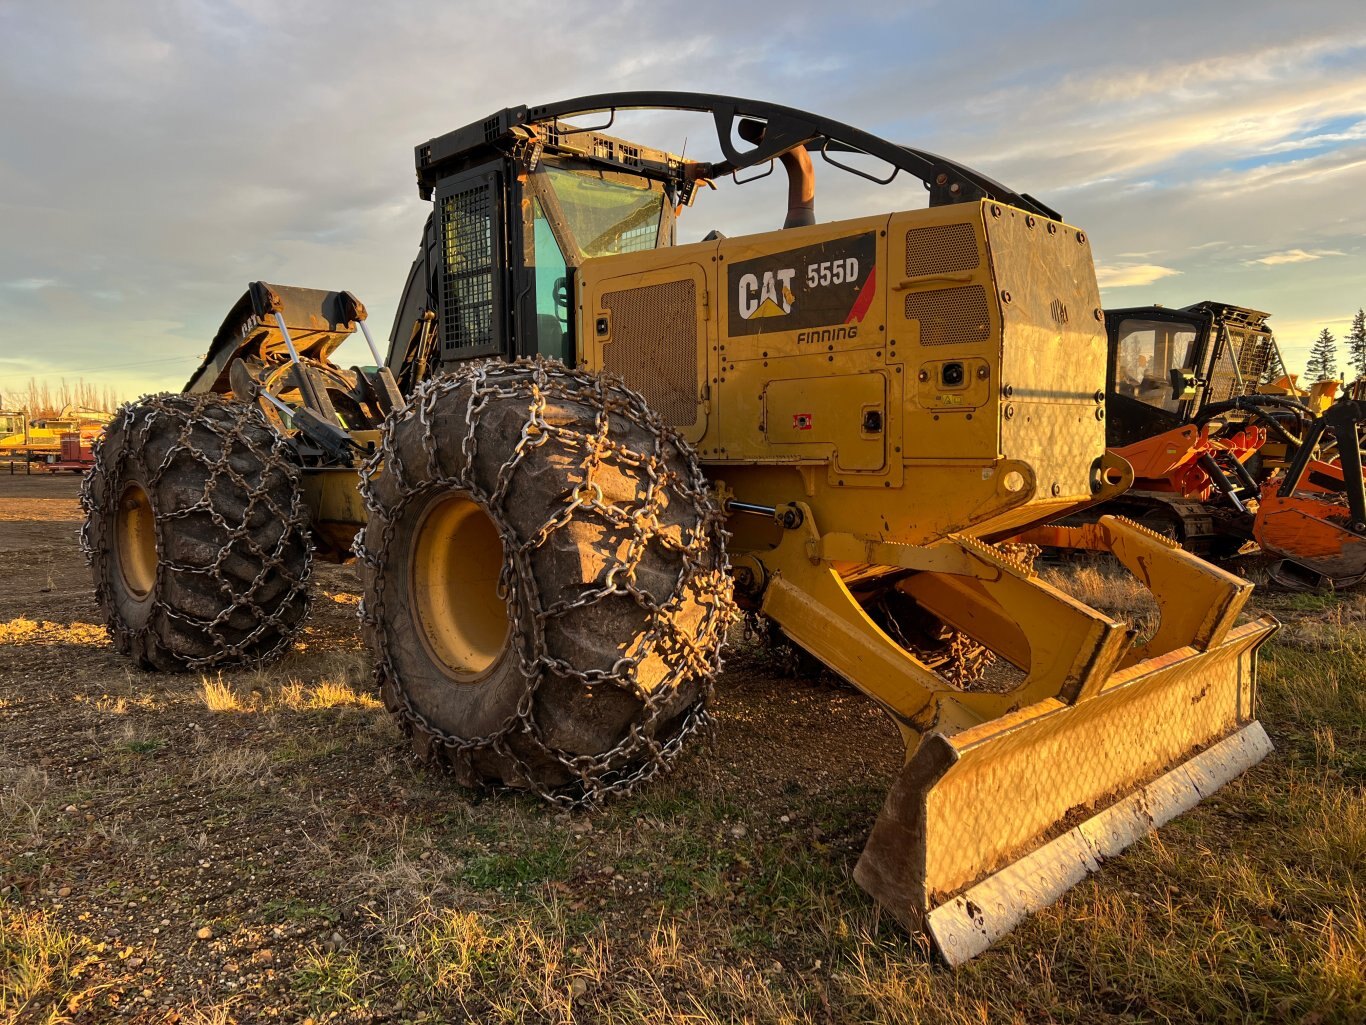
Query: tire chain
[706, 567]
[138, 420]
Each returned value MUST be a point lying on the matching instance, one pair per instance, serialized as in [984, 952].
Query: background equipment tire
[546, 586]
[197, 533]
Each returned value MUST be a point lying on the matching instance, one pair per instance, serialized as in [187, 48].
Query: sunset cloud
[1134, 274]
[1296, 256]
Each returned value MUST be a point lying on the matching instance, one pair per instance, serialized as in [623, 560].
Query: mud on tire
[546, 585]
[197, 533]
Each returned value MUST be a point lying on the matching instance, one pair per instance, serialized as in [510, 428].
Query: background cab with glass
[1166, 365]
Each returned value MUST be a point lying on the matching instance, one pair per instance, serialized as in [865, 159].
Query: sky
[157, 155]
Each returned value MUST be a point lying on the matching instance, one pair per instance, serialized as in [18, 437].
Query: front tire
[197, 533]
[546, 584]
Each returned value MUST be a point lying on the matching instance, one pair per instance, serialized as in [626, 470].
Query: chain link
[670, 475]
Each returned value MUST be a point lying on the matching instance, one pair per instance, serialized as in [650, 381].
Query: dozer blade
[1008, 798]
[983, 827]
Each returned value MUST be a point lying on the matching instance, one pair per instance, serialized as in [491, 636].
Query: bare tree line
[42, 400]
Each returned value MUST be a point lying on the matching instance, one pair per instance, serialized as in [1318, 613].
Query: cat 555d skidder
[585, 437]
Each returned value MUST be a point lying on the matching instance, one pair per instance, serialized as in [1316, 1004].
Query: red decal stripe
[864, 300]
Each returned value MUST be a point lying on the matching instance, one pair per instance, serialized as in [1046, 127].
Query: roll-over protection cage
[472, 289]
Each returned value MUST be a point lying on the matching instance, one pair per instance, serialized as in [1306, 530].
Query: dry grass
[45, 969]
[25, 795]
[277, 805]
[219, 696]
[30, 632]
[327, 694]
[340, 684]
[233, 766]
[1335, 624]
[1109, 588]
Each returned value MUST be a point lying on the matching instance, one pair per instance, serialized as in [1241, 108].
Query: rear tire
[196, 533]
[546, 587]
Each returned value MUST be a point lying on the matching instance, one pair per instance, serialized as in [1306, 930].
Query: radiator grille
[941, 249]
[950, 316]
[654, 346]
[467, 270]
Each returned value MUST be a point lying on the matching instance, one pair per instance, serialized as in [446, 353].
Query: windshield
[1147, 352]
[606, 216]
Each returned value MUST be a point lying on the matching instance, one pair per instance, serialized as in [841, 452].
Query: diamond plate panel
[1020, 782]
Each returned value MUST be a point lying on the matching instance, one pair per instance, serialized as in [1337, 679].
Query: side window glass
[552, 292]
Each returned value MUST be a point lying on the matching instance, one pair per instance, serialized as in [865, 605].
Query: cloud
[1133, 274]
[1355, 133]
[1296, 256]
[229, 144]
[1315, 169]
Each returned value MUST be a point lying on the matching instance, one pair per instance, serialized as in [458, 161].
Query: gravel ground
[258, 846]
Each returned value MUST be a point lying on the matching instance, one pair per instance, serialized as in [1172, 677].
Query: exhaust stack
[801, 176]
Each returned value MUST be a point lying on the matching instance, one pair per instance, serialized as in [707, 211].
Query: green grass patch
[144, 747]
[553, 860]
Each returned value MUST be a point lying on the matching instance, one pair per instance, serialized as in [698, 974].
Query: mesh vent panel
[654, 346]
[950, 316]
[1223, 375]
[942, 249]
[1255, 361]
[1247, 355]
[467, 271]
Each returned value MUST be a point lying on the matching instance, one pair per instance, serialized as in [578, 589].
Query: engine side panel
[946, 360]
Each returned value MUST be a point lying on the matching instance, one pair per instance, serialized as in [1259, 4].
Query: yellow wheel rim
[457, 557]
[136, 541]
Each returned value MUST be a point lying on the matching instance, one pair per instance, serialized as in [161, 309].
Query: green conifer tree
[1356, 344]
[1323, 359]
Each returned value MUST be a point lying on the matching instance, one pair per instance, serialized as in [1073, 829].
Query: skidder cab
[589, 441]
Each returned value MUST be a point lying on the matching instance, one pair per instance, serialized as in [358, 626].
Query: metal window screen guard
[468, 284]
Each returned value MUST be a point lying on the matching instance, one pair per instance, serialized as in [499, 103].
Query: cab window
[1146, 354]
[552, 291]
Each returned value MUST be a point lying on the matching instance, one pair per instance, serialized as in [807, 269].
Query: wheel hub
[457, 558]
[136, 541]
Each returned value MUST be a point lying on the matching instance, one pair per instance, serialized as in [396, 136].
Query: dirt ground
[258, 846]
